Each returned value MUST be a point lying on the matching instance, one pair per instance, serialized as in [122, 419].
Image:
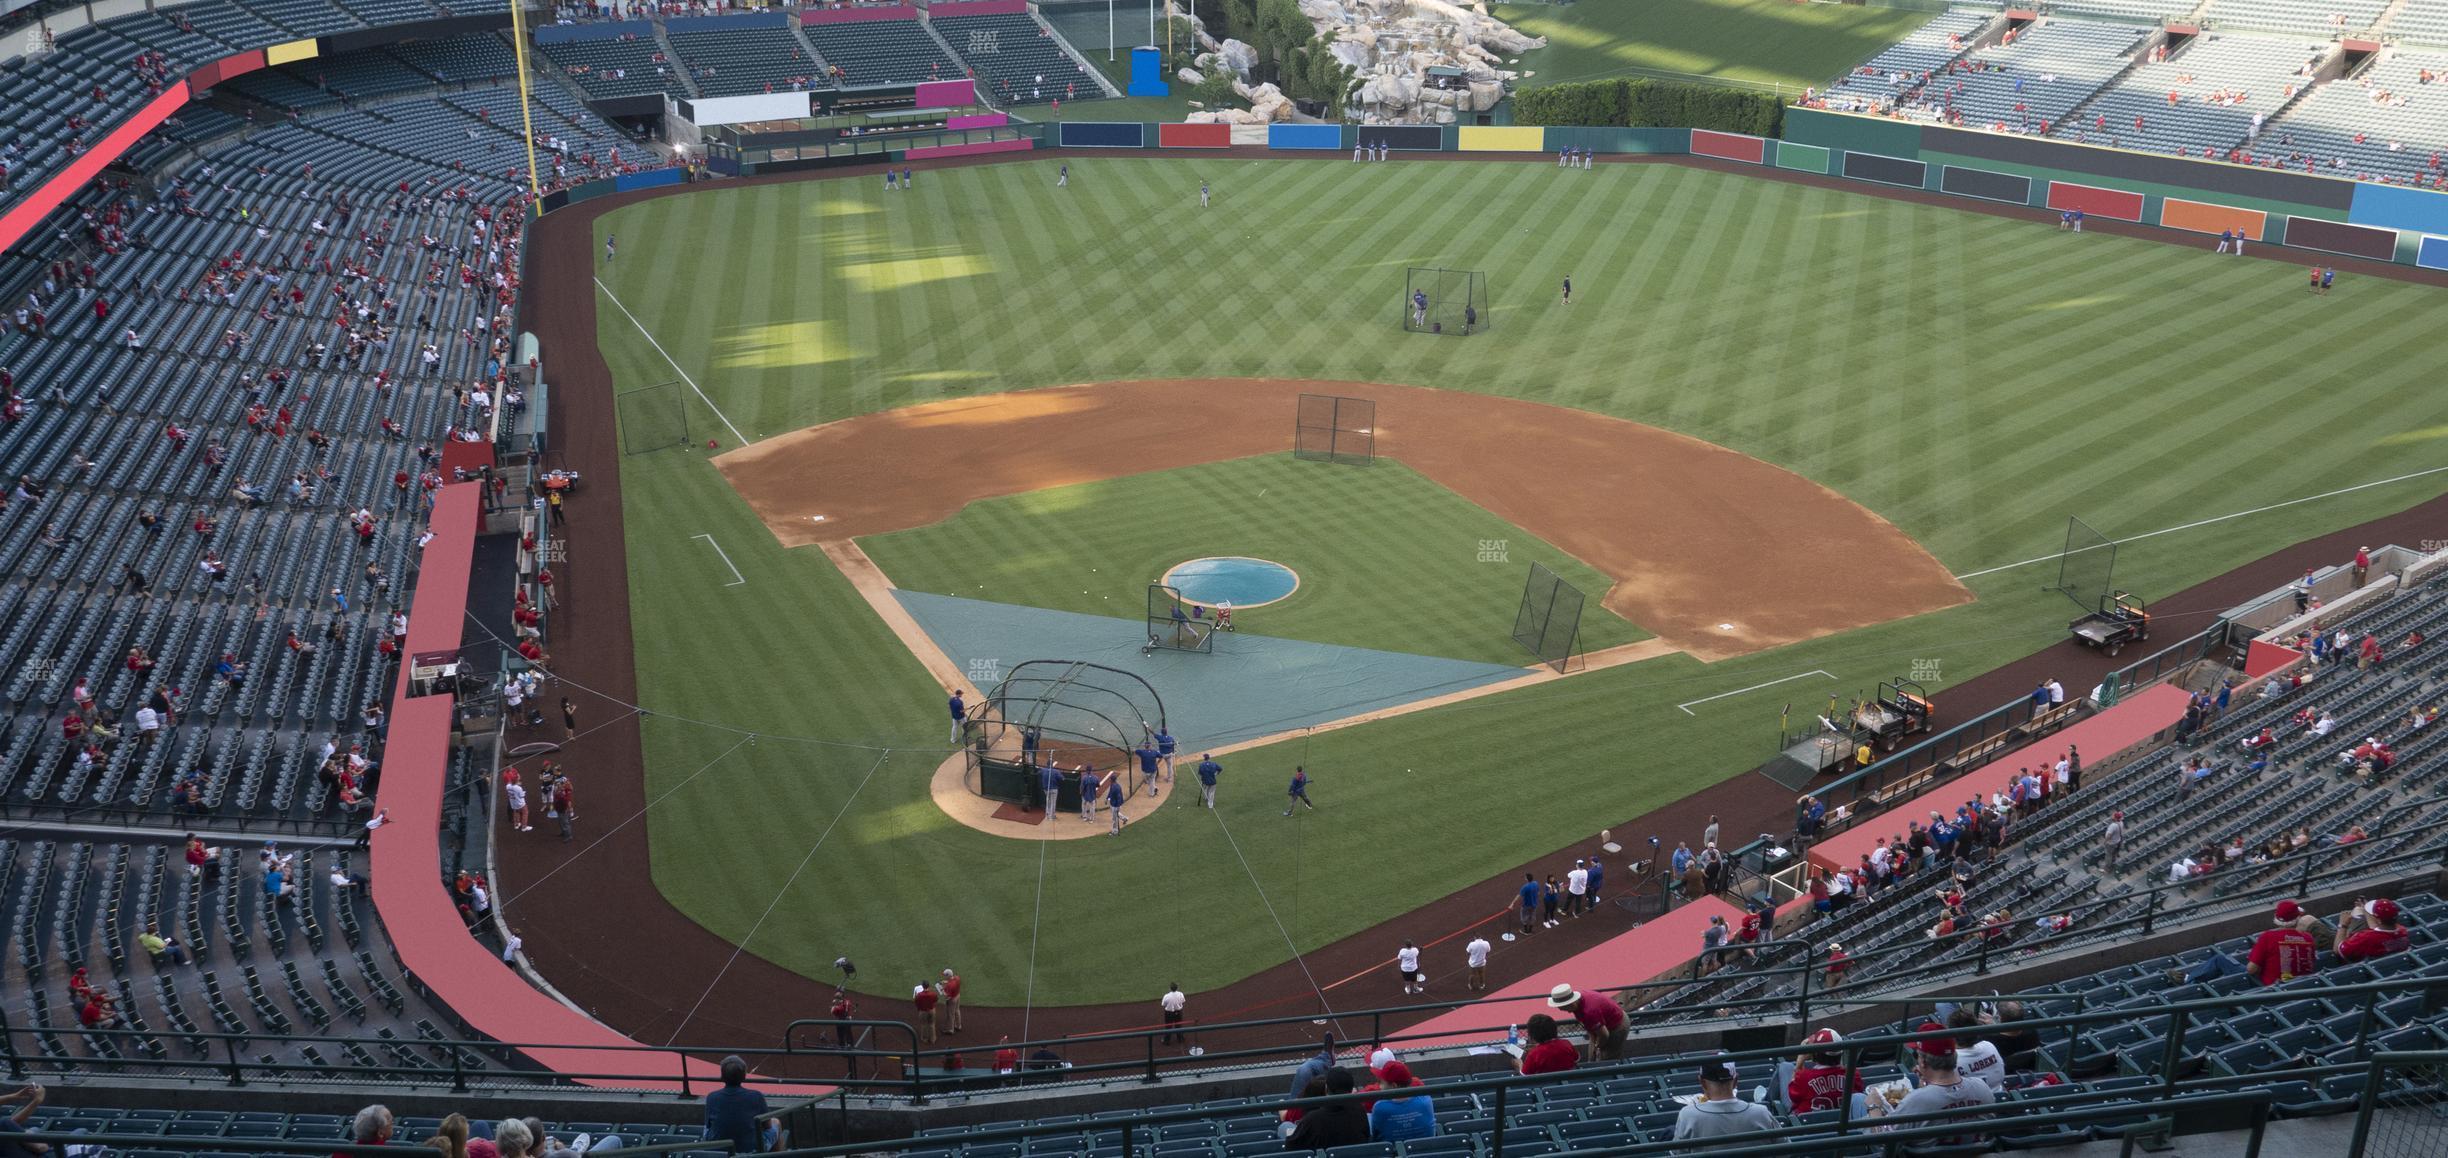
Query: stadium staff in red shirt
[2282, 953]
[922, 998]
[1820, 1080]
[2369, 930]
[950, 988]
[1602, 1021]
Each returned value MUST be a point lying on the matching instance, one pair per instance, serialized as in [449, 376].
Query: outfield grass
[1386, 558]
[1971, 378]
[1765, 42]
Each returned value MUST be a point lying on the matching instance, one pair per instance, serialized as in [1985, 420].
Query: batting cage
[1175, 623]
[1549, 622]
[2087, 568]
[1081, 718]
[652, 418]
[1333, 428]
[1444, 301]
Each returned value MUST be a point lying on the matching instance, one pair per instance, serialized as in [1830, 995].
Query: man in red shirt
[1006, 1059]
[2371, 930]
[1547, 1053]
[1602, 1021]
[951, 1001]
[1820, 1080]
[923, 1000]
[2282, 953]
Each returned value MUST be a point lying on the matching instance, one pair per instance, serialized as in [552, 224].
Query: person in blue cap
[1300, 790]
[1207, 771]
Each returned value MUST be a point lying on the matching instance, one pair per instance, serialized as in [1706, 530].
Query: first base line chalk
[1686, 705]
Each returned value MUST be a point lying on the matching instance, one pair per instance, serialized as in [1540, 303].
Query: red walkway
[1659, 947]
[416, 907]
[2132, 721]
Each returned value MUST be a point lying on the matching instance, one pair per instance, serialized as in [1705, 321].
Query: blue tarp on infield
[1250, 686]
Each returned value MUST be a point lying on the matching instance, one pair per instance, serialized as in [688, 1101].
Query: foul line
[2206, 522]
[1028, 1000]
[779, 893]
[1324, 1006]
[742, 439]
[640, 813]
[736, 577]
[1686, 705]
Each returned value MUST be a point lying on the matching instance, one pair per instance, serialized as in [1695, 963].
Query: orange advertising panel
[2203, 217]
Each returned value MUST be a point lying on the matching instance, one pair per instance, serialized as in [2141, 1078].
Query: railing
[1136, 1054]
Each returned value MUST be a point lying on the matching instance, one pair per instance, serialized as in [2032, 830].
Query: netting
[652, 418]
[1070, 713]
[1334, 428]
[1175, 623]
[1444, 301]
[2088, 565]
[2409, 1114]
[1549, 620]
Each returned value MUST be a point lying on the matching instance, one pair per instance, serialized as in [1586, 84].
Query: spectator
[1975, 1057]
[28, 1098]
[2282, 953]
[2369, 930]
[2016, 1040]
[923, 1000]
[1314, 1069]
[451, 1136]
[1820, 1079]
[1547, 1053]
[1602, 1021]
[1326, 1127]
[372, 1126]
[1941, 1088]
[164, 950]
[512, 1138]
[1397, 1119]
[735, 1113]
[1720, 1112]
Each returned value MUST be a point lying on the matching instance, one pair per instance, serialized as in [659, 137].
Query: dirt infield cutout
[1717, 553]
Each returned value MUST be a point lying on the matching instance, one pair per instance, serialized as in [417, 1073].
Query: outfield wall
[2326, 215]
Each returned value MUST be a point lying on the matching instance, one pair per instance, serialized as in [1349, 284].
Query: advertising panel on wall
[1170, 135]
[2396, 207]
[2012, 188]
[1103, 134]
[946, 94]
[1283, 136]
[1500, 139]
[1847, 132]
[1801, 158]
[1885, 170]
[1728, 146]
[2433, 254]
[2203, 217]
[1405, 138]
[2339, 237]
[736, 110]
[2117, 204]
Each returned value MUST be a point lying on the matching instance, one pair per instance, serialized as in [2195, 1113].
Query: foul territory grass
[1387, 559]
[1759, 42]
[1974, 379]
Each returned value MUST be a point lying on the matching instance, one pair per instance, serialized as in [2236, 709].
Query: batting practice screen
[652, 418]
[1333, 428]
[2088, 566]
[1549, 621]
[1175, 623]
[1444, 301]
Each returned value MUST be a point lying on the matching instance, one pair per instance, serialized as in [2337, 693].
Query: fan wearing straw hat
[1602, 1021]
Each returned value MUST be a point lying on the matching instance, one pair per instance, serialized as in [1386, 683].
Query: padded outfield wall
[2302, 210]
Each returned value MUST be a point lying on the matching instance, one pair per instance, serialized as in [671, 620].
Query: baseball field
[1811, 405]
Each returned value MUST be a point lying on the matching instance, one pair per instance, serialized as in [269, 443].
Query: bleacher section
[2223, 84]
[1017, 60]
[461, 59]
[2324, 18]
[736, 61]
[2153, 11]
[2420, 22]
[2383, 124]
[890, 52]
[627, 62]
[2028, 85]
[1896, 72]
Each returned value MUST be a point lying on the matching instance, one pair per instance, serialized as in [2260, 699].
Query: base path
[1713, 551]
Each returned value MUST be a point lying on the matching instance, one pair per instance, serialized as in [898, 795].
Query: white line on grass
[2206, 522]
[779, 893]
[1686, 705]
[1324, 1006]
[736, 577]
[742, 439]
[1028, 1001]
[638, 815]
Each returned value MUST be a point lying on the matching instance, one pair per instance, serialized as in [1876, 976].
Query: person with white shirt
[1977, 1060]
[2056, 693]
[1475, 955]
[1406, 961]
[1576, 889]
[2325, 725]
[510, 949]
[1173, 1003]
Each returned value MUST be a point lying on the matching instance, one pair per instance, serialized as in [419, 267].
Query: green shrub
[1639, 102]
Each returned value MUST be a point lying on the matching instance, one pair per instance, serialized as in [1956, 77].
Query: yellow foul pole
[518, 45]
